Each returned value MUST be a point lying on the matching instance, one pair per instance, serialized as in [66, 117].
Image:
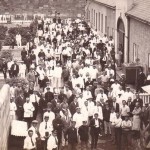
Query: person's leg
[92, 140]
[105, 127]
[96, 139]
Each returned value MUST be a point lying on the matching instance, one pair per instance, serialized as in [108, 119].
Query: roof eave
[137, 18]
[109, 6]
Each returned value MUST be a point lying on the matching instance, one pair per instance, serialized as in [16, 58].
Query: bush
[21, 81]
[7, 54]
[3, 30]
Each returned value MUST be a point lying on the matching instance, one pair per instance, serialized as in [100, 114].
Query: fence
[4, 116]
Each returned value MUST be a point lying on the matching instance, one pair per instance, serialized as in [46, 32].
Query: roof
[140, 11]
[109, 3]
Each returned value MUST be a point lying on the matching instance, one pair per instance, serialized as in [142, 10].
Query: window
[105, 24]
[135, 52]
[99, 22]
[102, 23]
[96, 21]
[94, 18]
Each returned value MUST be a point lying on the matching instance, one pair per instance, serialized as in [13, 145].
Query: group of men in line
[79, 98]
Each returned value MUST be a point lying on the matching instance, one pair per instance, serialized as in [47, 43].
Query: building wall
[139, 45]
[4, 116]
[101, 18]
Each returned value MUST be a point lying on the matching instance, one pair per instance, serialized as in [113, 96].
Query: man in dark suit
[146, 114]
[4, 68]
[95, 130]
[138, 99]
[15, 69]
[89, 82]
[62, 96]
[71, 136]
[19, 103]
[58, 125]
[54, 101]
[49, 96]
[73, 105]
[23, 54]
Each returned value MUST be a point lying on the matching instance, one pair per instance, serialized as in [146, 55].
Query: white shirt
[28, 109]
[117, 122]
[112, 116]
[124, 110]
[13, 108]
[98, 109]
[101, 96]
[43, 129]
[96, 123]
[51, 116]
[91, 108]
[51, 143]
[34, 98]
[78, 118]
[28, 144]
[57, 72]
[87, 94]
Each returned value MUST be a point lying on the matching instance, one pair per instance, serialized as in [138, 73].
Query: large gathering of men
[73, 98]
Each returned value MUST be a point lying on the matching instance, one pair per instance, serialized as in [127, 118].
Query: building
[128, 22]
[139, 32]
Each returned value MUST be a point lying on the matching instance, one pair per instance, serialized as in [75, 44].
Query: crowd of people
[73, 98]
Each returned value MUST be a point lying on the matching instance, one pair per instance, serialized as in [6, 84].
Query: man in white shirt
[13, 109]
[101, 95]
[45, 130]
[18, 39]
[124, 110]
[117, 126]
[57, 76]
[91, 107]
[22, 70]
[78, 117]
[98, 110]
[30, 141]
[50, 114]
[52, 143]
[28, 111]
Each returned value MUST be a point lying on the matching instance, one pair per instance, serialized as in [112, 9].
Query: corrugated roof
[111, 3]
[140, 10]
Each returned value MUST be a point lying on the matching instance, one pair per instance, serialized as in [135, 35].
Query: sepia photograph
[74, 74]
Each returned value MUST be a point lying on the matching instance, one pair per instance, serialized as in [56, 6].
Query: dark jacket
[49, 96]
[138, 100]
[13, 68]
[94, 129]
[58, 124]
[106, 114]
[72, 107]
[72, 135]
[84, 133]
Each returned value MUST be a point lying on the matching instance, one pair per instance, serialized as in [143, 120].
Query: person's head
[73, 123]
[76, 98]
[137, 95]
[30, 133]
[49, 109]
[55, 96]
[112, 110]
[46, 118]
[84, 122]
[114, 99]
[90, 99]
[34, 123]
[86, 103]
[27, 99]
[101, 91]
[12, 99]
[129, 99]
[54, 133]
[137, 105]
[123, 102]
[78, 110]
[126, 118]
[128, 89]
[96, 115]
[87, 88]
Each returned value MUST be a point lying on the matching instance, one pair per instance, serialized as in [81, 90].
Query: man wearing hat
[84, 135]
[49, 96]
[128, 94]
[34, 128]
[45, 130]
[58, 125]
[71, 136]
